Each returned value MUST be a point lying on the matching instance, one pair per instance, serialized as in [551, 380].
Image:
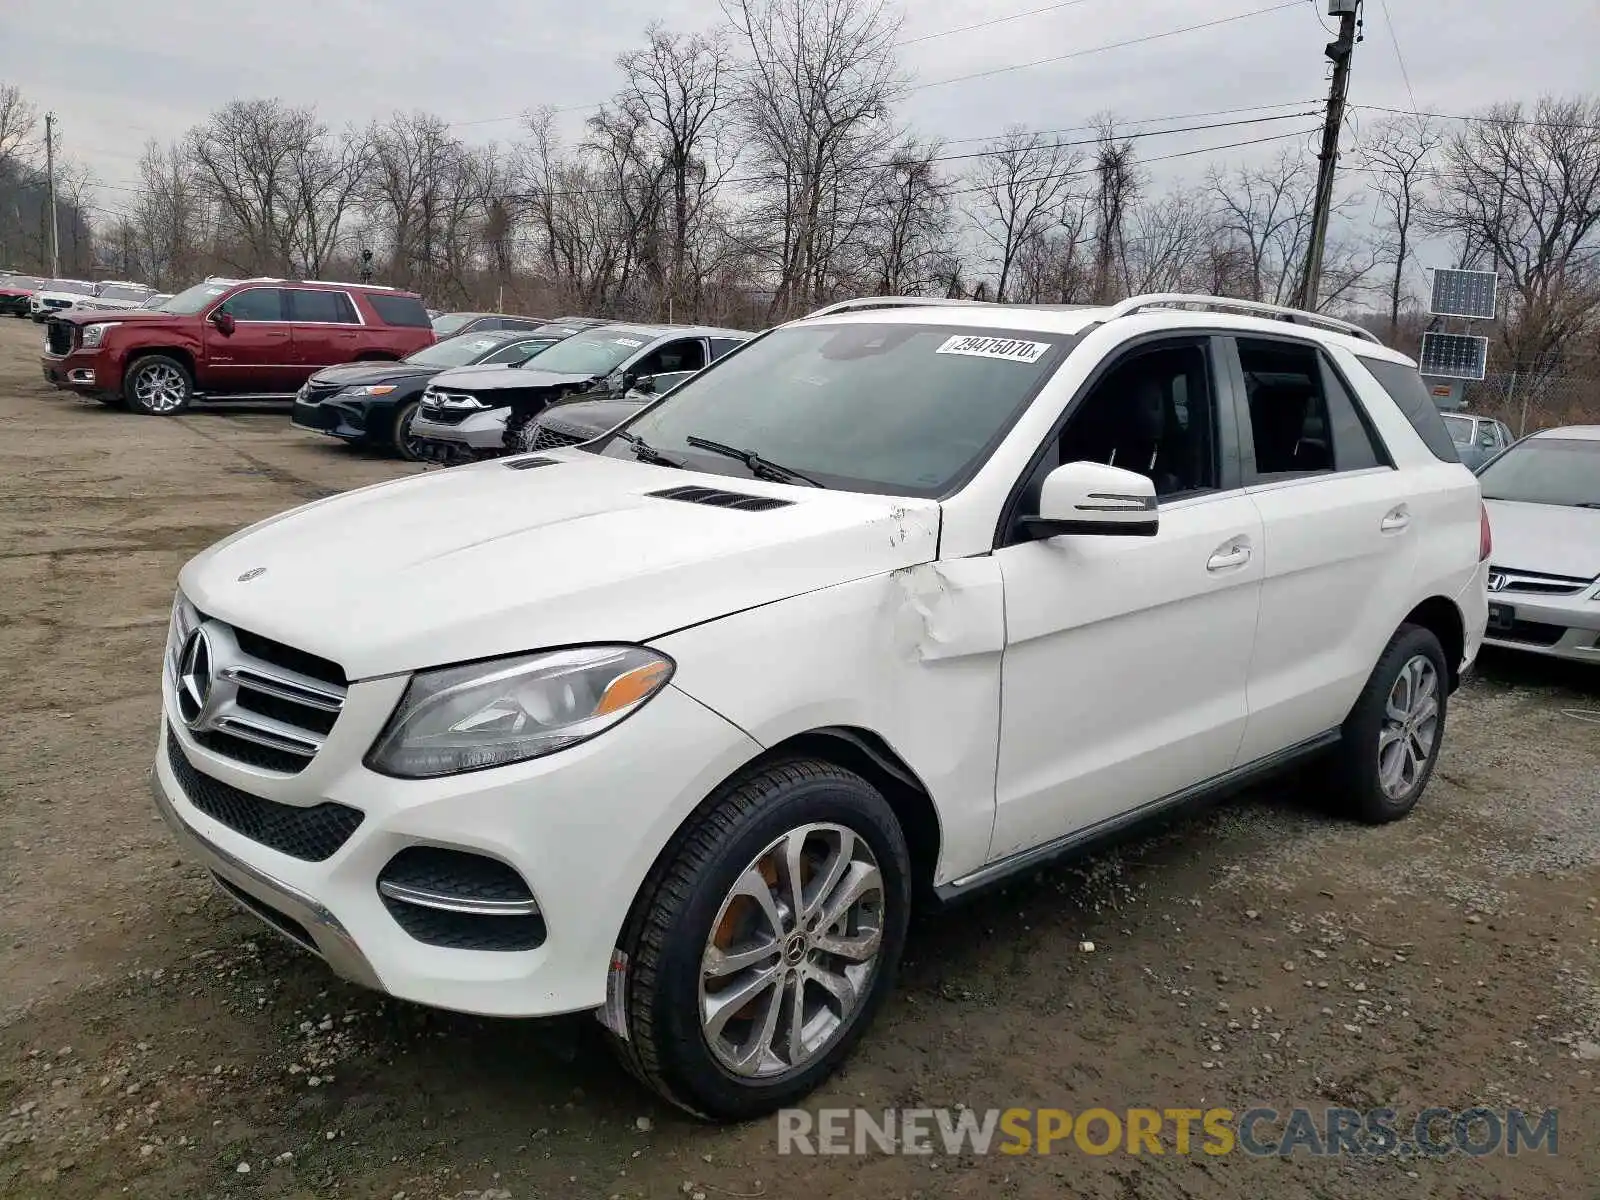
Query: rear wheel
[763, 944]
[158, 386]
[1392, 737]
[406, 446]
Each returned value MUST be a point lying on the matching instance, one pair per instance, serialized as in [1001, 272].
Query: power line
[1138, 41]
[1394, 37]
[1032, 12]
[1485, 120]
[1194, 116]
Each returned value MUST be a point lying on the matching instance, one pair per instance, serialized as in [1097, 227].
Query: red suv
[230, 339]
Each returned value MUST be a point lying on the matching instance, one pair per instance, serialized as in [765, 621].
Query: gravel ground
[155, 1042]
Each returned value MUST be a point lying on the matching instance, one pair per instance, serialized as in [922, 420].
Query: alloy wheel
[160, 388]
[792, 953]
[1410, 729]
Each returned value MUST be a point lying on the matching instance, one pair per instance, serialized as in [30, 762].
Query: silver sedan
[1543, 497]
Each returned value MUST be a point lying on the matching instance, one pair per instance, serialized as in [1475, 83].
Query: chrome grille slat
[1537, 583]
[251, 710]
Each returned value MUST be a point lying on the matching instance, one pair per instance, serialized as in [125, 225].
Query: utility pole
[1339, 53]
[50, 172]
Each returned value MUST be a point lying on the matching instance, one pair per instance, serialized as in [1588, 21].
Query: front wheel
[158, 386]
[400, 438]
[1391, 740]
[764, 942]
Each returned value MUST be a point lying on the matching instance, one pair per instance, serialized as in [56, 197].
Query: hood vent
[717, 498]
[528, 464]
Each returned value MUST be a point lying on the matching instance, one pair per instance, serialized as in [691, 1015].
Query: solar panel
[1453, 356]
[1465, 294]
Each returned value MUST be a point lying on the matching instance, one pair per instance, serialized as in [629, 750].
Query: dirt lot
[155, 1042]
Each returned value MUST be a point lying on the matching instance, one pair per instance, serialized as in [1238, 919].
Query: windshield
[457, 352]
[70, 286]
[1546, 471]
[25, 282]
[122, 293]
[1460, 429]
[595, 352]
[446, 325]
[896, 409]
[191, 300]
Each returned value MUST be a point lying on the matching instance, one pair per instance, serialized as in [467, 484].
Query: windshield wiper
[761, 468]
[645, 452]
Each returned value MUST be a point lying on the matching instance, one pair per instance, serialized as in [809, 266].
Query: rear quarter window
[406, 311]
[1410, 394]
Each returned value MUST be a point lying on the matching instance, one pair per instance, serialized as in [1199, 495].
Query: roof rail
[866, 302]
[1294, 316]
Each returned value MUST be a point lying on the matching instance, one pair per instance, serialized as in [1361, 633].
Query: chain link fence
[1529, 406]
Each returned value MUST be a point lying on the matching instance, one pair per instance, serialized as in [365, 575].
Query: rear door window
[405, 311]
[322, 308]
[1410, 394]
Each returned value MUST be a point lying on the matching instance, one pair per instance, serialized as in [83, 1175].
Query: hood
[595, 415]
[485, 379]
[1551, 539]
[12, 293]
[141, 316]
[351, 374]
[484, 560]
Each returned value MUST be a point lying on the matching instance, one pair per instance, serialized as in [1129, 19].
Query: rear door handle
[1234, 554]
[1396, 520]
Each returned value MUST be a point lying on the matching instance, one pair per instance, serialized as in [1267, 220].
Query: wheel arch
[868, 755]
[1442, 617]
[182, 355]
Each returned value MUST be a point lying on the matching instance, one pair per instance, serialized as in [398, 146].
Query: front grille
[279, 704]
[58, 337]
[315, 393]
[309, 834]
[547, 437]
[420, 883]
[1539, 583]
[445, 416]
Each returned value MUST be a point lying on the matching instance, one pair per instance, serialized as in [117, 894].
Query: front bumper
[483, 430]
[347, 422]
[1566, 627]
[582, 827]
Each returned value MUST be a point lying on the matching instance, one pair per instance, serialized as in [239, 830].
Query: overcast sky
[115, 76]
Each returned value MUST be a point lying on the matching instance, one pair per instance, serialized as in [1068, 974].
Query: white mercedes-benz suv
[890, 604]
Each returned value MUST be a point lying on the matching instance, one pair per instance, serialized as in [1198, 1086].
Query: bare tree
[814, 100]
[18, 122]
[1116, 187]
[680, 86]
[1525, 191]
[1020, 192]
[1398, 155]
[1167, 249]
[907, 234]
[167, 214]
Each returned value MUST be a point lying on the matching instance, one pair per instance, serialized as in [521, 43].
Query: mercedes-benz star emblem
[1497, 581]
[252, 573]
[194, 677]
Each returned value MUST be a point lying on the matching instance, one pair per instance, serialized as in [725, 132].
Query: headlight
[185, 620]
[93, 335]
[484, 715]
[369, 389]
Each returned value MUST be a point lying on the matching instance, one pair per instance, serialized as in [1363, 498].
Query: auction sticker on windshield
[993, 347]
[627, 342]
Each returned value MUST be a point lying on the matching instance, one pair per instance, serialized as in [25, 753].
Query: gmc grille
[59, 337]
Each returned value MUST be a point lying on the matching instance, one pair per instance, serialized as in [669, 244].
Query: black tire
[1359, 774]
[400, 433]
[144, 371]
[673, 916]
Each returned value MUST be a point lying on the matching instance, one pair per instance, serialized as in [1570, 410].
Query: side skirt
[1082, 840]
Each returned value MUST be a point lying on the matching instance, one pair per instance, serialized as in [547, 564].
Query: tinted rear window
[1410, 394]
[399, 310]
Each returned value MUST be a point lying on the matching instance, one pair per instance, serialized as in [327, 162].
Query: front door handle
[1234, 554]
[1396, 519]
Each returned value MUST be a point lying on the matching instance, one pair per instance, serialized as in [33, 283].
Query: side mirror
[1092, 498]
[223, 321]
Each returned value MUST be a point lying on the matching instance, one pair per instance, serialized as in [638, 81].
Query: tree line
[751, 171]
